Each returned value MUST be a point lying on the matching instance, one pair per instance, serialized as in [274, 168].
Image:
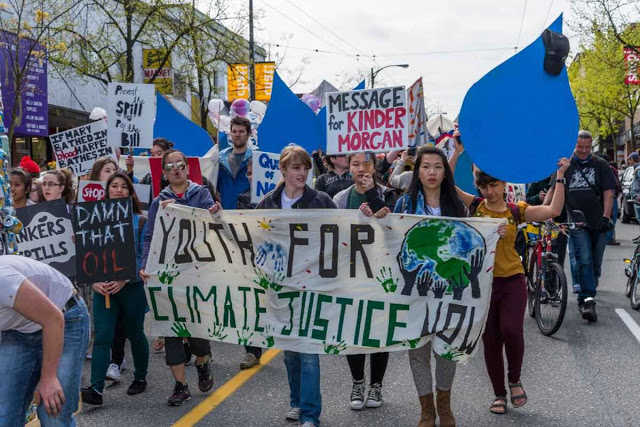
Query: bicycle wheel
[630, 281]
[551, 300]
[531, 278]
[635, 291]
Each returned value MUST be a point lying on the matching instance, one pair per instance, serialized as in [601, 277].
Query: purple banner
[32, 106]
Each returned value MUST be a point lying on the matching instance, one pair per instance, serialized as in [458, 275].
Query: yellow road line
[223, 392]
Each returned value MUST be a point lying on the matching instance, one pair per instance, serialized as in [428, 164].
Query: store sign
[152, 64]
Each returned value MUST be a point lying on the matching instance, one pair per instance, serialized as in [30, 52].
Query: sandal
[518, 397]
[499, 405]
[158, 344]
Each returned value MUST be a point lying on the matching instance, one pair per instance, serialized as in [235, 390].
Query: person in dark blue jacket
[232, 174]
[184, 192]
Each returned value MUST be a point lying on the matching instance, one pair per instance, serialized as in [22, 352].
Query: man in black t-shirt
[589, 187]
[337, 179]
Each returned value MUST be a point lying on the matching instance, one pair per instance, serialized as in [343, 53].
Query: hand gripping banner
[322, 281]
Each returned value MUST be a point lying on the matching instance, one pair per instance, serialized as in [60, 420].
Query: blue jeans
[20, 364]
[303, 372]
[611, 234]
[589, 245]
[575, 279]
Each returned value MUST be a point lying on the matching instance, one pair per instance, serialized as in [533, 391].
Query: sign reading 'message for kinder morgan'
[367, 120]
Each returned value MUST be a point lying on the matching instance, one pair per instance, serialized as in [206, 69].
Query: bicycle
[546, 280]
[632, 271]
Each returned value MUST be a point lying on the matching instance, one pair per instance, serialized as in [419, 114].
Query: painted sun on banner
[322, 281]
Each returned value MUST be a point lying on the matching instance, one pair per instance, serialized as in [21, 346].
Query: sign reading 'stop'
[367, 120]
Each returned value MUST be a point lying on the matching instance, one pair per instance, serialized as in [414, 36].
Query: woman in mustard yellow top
[504, 327]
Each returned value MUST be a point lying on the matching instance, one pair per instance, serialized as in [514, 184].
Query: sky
[449, 43]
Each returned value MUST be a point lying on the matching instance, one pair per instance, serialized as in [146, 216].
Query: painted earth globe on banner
[441, 256]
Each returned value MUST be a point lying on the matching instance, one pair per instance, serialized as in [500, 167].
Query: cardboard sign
[104, 239]
[47, 234]
[155, 166]
[266, 174]
[77, 149]
[367, 120]
[92, 191]
[322, 280]
[417, 115]
[131, 108]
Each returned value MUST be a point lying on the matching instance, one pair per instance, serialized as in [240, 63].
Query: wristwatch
[561, 181]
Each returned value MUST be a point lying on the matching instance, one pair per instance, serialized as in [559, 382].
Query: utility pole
[252, 55]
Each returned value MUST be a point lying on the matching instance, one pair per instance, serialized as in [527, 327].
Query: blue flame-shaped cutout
[518, 120]
[288, 120]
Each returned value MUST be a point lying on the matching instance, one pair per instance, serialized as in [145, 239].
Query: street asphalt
[585, 375]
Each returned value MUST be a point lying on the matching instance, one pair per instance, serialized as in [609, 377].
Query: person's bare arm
[35, 306]
[544, 212]
[467, 198]
[549, 196]
[608, 203]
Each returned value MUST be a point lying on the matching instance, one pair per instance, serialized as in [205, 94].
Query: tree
[597, 74]
[27, 37]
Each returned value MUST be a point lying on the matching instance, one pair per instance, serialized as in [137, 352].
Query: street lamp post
[375, 73]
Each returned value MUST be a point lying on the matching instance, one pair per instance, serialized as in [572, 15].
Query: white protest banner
[77, 149]
[417, 115]
[322, 281]
[367, 120]
[131, 110]
[266, 174]
[47, 235]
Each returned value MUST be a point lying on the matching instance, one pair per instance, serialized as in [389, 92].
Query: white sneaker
[308, 424]
[113, 373]
[374, 399]
[293, 414]
[357, 396]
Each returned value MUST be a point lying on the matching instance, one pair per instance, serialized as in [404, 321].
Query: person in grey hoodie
[183, 192]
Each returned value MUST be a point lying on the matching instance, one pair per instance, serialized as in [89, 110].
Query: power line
[326, 28]
[390, 55]
[306, 29]
[524, 11]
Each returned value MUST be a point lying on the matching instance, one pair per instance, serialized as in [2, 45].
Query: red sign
[632, 60]
[93, 192]
[155, 165]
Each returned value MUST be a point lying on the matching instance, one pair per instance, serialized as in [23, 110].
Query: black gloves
[604, 225]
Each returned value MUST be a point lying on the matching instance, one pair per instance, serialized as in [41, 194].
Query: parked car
[628, 212]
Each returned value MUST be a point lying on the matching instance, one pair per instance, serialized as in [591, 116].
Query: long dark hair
[450, 202]
[132, 191]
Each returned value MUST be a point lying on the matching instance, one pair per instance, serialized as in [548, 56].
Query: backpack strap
[474, 205]
[515, 212]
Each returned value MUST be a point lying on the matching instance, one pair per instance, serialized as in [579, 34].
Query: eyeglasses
[175, 166]
[51, 184]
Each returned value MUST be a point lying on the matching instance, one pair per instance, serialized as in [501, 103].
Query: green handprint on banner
[275, 282]
[244, 336]
[334, 349]
[411, 343]
[180, 330]
[265, 282]
[166, 277]
[263, 279]
[268, 336]
[217, 332]
[451, 354]
[389, 284]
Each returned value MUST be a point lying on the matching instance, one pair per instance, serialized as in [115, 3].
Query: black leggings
[119, 340]
[378, 366]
